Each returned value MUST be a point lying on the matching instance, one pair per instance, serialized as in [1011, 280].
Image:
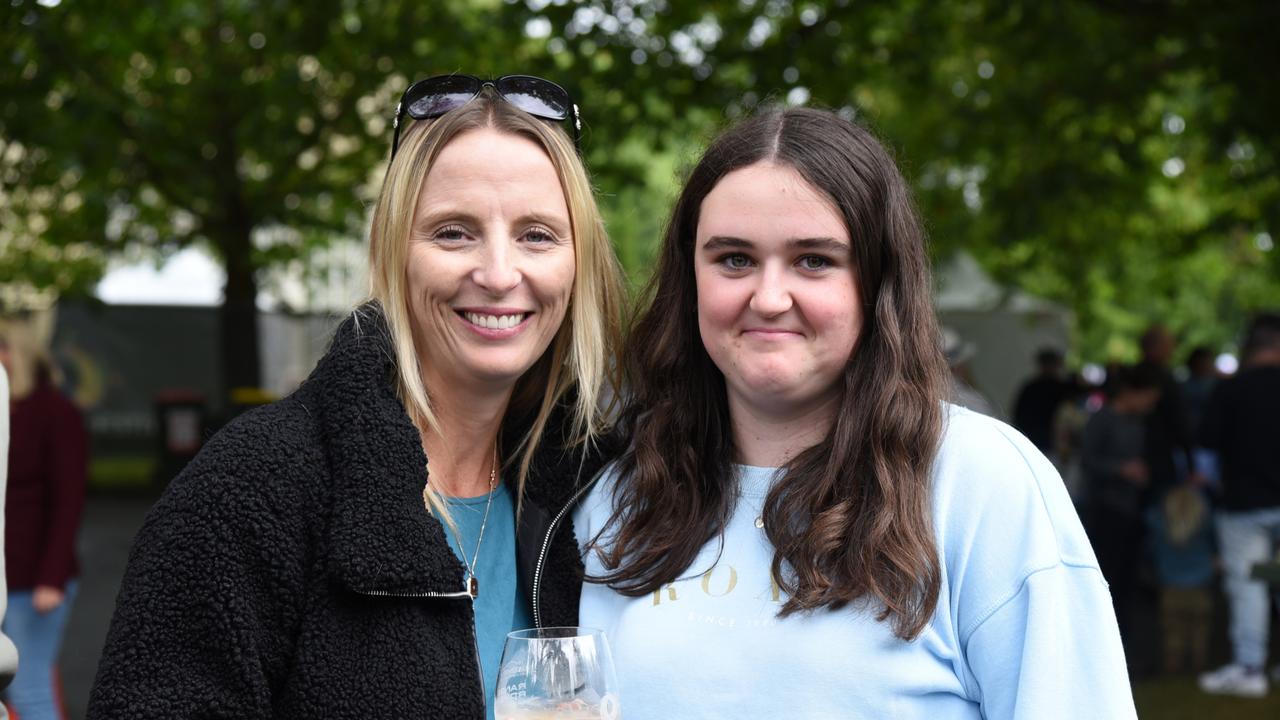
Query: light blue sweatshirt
[1023, 627]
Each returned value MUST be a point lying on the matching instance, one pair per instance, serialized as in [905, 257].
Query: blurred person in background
[958, 353]
[48, 466]
[801, 526]
[1167, 449]
[1242, 426]
[354, 550]
[1117, 477]
[1038, 400]
[1068, 434]
[8, 653]
[1202, 375]
[1180, 532]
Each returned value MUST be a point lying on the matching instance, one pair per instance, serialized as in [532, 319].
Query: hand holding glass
[557, 673]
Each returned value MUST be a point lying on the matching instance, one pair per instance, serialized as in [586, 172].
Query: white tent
[1005, 326]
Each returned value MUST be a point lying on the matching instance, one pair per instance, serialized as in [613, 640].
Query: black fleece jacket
[291, 570]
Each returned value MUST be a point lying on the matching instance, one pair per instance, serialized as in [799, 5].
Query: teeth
[494, 322]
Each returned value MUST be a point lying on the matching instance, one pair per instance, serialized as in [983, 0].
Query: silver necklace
[473, 584]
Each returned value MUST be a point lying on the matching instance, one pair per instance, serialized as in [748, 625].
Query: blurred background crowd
[184, 191]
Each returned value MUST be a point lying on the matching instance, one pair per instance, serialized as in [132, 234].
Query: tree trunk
[238, 319]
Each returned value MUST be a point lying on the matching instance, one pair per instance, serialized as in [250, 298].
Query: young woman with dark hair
[801, 527]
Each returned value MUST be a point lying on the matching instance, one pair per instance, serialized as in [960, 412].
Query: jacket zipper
[396, 593]
[546, 543]
[475, 638]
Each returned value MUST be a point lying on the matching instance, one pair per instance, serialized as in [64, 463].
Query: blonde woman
[361, 548]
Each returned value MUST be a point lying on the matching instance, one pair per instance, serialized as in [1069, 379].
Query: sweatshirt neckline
[755, 481]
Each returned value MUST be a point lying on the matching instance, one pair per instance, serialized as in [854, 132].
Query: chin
[773, 381]
[772, 391]
[497, 373]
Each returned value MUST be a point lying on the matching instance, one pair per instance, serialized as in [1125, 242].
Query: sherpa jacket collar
[381, 537]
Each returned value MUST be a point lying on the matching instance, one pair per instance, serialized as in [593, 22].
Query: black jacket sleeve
[205, 618]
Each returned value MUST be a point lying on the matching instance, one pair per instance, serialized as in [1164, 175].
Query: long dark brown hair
[851, 518]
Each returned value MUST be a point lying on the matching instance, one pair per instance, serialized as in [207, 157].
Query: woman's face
[778, 302]
[491, 261]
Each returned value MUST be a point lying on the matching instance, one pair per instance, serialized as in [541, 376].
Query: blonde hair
[26, 356]
[1184, 512]
[582, 357]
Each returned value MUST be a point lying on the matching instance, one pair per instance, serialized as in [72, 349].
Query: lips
[771, 332]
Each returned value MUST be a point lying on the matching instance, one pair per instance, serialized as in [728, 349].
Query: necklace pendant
[473, 587]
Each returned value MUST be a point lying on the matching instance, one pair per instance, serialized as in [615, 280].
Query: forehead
[768, 201]
[486, 168]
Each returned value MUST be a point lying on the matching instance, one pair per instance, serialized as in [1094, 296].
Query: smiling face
[491, 261]
[778, 306]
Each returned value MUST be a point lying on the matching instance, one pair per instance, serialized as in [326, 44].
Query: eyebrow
[727, 242]
[558, 225]
[431, 216]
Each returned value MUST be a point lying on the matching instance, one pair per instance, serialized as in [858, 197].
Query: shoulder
[562, 466]
[57, 407]
[596, 507]
[980, 452]
[263, 463]
[1000, 505]
[1264, 378]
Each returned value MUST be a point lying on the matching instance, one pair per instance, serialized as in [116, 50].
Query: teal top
[500, 605]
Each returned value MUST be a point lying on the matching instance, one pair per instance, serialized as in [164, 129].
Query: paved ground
[109, 526]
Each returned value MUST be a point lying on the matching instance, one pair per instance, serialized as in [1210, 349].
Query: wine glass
[557, 673]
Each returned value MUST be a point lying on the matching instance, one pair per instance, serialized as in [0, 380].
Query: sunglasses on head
[437, 95]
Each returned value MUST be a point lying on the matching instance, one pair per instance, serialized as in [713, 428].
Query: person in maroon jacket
[43, 504]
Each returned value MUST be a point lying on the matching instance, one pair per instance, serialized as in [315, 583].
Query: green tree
[258, 129]
[1119, 157]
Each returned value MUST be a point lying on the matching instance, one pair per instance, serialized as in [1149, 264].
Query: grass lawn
[1180, 699]
[121, 472]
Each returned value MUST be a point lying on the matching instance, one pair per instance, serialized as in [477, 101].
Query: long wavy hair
[580, 367]
[851, 518]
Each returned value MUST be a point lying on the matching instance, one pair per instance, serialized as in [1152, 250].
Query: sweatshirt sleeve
[207, 608]
[67, 457]
[1031, 611]
[1051, 651]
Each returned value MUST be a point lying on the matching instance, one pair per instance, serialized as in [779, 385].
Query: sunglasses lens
[436, 96]
[538, 97]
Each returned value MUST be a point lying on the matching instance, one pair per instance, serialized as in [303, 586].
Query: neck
[1267, 357]
[462, 450]
[769, 438]
[1124, 407]
[22, 381]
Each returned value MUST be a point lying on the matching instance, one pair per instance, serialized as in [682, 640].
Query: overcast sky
[190, 277]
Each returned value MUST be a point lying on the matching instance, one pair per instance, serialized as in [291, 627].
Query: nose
[498, 273]
[771, 296]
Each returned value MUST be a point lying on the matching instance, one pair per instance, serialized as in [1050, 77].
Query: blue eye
[450, 233]
[815, 262]
[538, 236]
[735, 261]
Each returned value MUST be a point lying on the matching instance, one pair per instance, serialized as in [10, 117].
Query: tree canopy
[1118, 157]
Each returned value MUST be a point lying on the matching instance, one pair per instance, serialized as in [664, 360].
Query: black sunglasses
[437, 95]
